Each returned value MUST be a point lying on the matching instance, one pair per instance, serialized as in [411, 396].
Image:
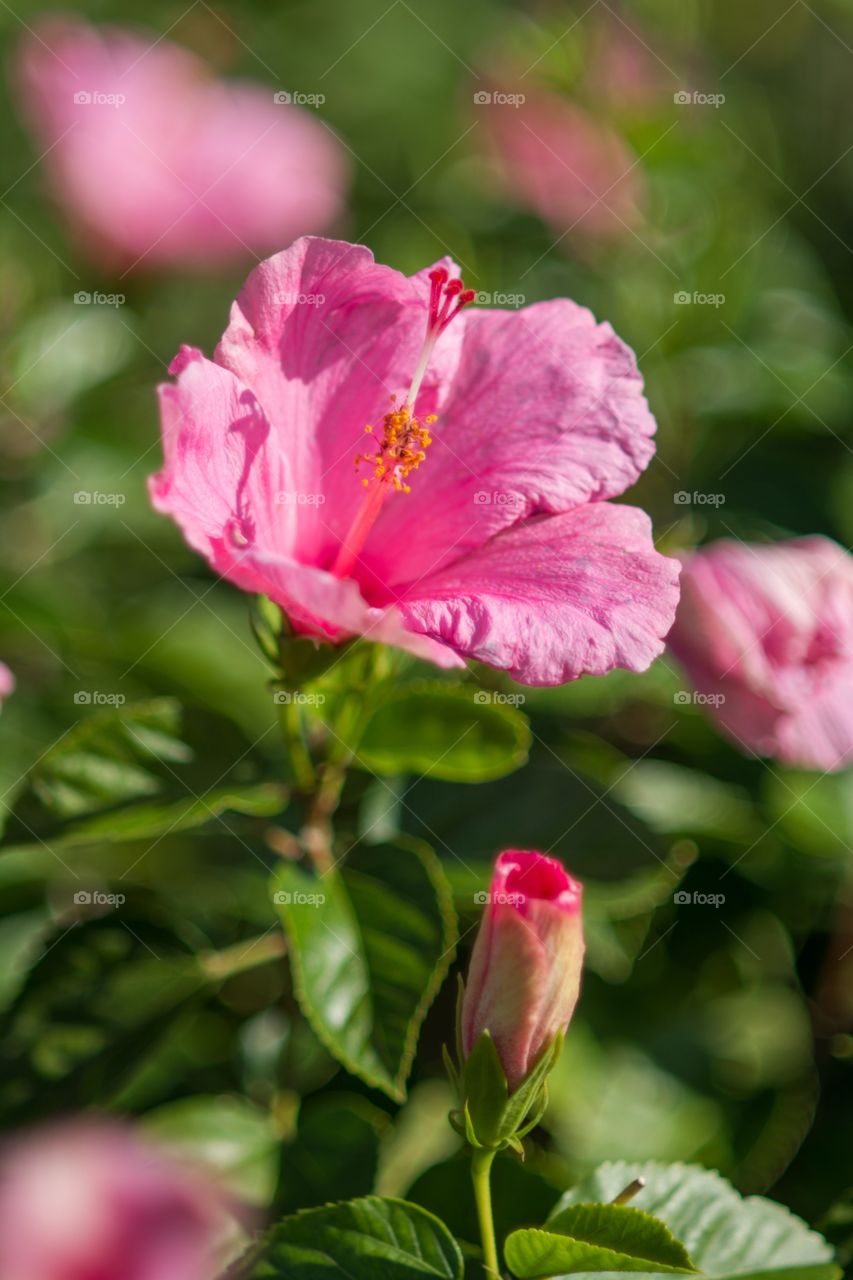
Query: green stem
[481, 1167]
[300, 767]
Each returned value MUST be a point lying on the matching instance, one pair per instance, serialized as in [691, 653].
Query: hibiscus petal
[324, 336]
[556, 597]
[546, 412]
[225, 477]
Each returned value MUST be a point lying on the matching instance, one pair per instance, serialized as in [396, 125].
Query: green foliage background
[710, 1033]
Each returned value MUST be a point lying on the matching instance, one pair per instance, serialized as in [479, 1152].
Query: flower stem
[481, 1168]
[299, 761]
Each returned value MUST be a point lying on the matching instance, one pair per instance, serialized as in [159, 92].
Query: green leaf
[229, 1135]
[367, 1239]
[144, 821]
[110, 757]
[335, 1153]
[94, 1006]
[444, 730]
[370, 946]
[725, 1234]
[596, 1237]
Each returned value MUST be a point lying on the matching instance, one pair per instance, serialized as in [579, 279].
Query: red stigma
[443, 294]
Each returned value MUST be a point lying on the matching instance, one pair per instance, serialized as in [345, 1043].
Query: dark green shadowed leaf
[368, 1239]
[454, 732]
[335, 1152]
[109, 757]
[370, 946]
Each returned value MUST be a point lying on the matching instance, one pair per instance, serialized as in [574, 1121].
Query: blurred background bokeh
[685, 169]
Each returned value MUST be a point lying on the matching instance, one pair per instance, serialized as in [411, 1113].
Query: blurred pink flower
[505, 549]
[574, 172]
[158, 163]
[765, 632]
[85, 1200]
[625, 68]
[7, 683]
[525, 971]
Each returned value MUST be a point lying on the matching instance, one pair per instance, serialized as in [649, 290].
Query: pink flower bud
[525, 969]
[87, 1199]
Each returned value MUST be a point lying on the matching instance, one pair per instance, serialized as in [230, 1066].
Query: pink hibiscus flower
[85, 1200]
[158, 163]
[572, 171]
[486, 535]
[767, 633]
[7, 683]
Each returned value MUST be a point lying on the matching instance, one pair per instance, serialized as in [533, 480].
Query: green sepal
[493, 1117]
[302, 659]
[267, 622]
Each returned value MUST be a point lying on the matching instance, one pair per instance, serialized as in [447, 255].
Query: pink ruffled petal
[325, 336]
[546, 412]
[225, 477]
[555, 598]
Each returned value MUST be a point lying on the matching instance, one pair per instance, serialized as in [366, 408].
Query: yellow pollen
[405, 440]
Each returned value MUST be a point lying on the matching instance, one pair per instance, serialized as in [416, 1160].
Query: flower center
[404, 439]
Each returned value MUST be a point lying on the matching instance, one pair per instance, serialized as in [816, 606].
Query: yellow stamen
[405, 440]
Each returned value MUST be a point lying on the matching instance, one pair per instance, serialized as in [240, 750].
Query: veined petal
[556, 597]
[324, 336]
[546, 412]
